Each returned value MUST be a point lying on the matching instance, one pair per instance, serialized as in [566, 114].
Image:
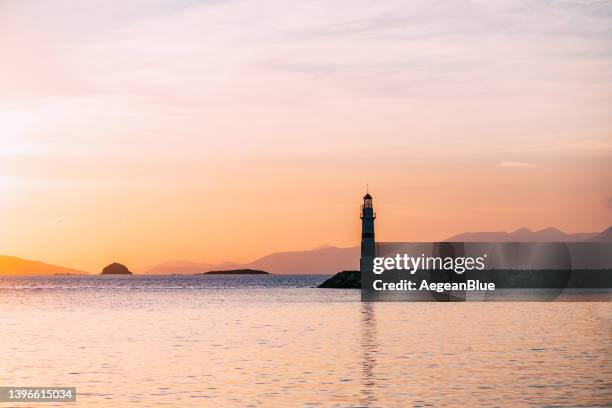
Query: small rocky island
[236, 272]
[116, 269]
[343, 280]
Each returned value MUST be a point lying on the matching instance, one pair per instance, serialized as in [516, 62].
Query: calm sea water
[277, 341]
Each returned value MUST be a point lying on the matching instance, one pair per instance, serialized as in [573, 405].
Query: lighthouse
[368, 245]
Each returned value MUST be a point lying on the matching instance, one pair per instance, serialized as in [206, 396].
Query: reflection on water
[201, 341]
[368, 350]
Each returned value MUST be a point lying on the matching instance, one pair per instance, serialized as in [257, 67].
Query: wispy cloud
[518, 165]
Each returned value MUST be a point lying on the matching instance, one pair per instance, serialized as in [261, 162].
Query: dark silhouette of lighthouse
[368, 244]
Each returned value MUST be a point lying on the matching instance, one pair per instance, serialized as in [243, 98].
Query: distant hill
[10, 265]
[116, 269]
[322, 260]
[605, 236]
[523, 235]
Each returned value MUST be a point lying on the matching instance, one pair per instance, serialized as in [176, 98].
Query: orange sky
[222, 131]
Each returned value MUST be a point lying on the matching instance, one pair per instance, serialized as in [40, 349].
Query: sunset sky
[151, 130]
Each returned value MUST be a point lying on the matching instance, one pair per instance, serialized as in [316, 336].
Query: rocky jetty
[116, 269]
[343, 280]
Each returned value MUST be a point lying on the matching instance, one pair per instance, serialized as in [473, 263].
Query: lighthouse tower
[368, 245]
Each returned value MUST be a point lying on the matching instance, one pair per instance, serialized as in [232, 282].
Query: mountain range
[526, 235]
[324, 260]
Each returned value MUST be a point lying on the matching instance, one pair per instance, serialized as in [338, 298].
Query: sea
[278, 341]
